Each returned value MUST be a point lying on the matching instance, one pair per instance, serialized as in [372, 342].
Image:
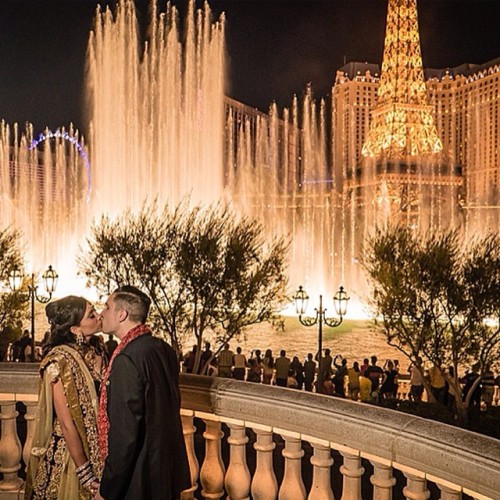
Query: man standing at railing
[140, 430]
[226, 362]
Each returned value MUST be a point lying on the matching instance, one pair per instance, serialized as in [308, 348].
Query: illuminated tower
[403, 175]
[402, 125]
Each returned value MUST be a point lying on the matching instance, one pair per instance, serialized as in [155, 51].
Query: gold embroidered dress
[52, 471]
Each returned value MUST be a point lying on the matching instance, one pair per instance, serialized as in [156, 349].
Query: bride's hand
[95, 490]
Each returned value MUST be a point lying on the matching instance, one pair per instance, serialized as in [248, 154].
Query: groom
[140, 431]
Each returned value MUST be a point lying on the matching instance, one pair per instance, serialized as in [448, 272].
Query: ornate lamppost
[50, 278]
[340, 304]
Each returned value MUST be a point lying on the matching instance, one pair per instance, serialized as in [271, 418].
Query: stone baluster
[31, 403]
[449, 491]
[292, 487]
[237, 481]
[10, 446]
[189, 430]
[264, 484]
[322, 462]
[382, 479]
[212, 470]
[416, 484]
[351, 471]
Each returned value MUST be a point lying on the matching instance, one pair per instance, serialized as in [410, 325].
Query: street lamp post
[340, 304]
[50, 278]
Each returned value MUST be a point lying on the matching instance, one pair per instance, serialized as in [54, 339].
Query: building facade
[466, 111]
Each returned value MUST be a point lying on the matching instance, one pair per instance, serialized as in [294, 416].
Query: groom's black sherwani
[146, 452]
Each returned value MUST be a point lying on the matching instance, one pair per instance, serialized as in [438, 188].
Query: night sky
[275, 48]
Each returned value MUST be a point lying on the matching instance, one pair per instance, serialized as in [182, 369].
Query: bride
[64, 461]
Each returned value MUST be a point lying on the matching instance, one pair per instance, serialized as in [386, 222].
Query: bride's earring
[79, 338]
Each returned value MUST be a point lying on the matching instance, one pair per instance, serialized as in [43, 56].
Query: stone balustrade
[348, 445]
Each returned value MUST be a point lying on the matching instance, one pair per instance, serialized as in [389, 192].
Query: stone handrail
[456, 460]
[449, 453]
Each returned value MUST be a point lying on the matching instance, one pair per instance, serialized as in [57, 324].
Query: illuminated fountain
[161, 128]
[45, 189]
[157, 121]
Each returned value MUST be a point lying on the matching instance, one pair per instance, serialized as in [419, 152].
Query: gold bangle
[82, 467]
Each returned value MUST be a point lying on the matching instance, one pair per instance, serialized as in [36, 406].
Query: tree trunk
[197, 358]
[462, 412]
[427, 386]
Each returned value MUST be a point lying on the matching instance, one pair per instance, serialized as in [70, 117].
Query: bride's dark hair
[62, 315]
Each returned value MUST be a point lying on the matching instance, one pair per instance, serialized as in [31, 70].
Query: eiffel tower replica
[403, 175]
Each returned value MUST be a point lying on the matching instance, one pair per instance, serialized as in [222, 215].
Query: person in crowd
[365, 388]
[291, 380]
[353, 375]
[65, 460]
[257, 356]
[24, 347]
[111, 344]
[188, 360]
[328, 387]
[497, 388]
[488, 386]
[438, 384]
[469, 381]
[282, 365]
[340, 375]
[46, 337]
[416, 382]
[254, 371]
[140, 431]
[240, 364]
[212, 369]
[206, 356]
[309, 372]
[397, 368]
[324, 367]
[364, 366]
[9, 354]
[298, 370]
[17, 334]
[390, 381]
[226, 362]
[374, 373]
[267, 367]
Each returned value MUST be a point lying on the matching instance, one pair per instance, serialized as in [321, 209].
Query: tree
[12, 309]
[435, 297]
[206, 270]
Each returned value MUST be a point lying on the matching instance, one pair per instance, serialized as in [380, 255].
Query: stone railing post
[352, 471]
[292, 487]
[322, 462]
[189, 430]
[10, 446]
[264, 484]
[31, 403]
[212, 471]
[382, 479]
[449, 491]
[237, 481]
[416, 484]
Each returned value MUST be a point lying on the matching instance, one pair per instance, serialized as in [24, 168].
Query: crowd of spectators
[335, 376]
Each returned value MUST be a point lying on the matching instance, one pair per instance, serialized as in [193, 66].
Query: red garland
[102, 418]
